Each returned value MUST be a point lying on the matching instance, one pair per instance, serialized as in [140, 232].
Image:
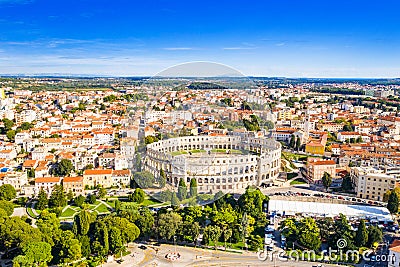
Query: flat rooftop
[328, 209]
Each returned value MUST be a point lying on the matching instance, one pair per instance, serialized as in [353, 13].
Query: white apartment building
[25, 116]
[371, 183]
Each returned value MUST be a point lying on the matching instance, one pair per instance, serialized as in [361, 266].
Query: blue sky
[299, 38]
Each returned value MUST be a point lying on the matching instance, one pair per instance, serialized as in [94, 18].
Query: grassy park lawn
[297, 181]
[292, 156]
[150, 202]
[232, 151]
[102, 208]
[69, 212]
[30, 212]
[176, 153]
[99, 207]
[239, 245]
[197, 150]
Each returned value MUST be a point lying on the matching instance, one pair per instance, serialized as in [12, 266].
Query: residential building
[74, 184]
[96, 177]
[47, 183]
[316, 168]
[121, 177]
[371, 183]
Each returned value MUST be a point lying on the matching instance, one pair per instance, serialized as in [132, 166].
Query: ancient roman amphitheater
[227, 162]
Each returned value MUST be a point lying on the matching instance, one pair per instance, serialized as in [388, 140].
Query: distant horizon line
[66, 75]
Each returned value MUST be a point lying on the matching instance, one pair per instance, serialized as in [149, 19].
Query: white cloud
[179, 48]
[239, 48]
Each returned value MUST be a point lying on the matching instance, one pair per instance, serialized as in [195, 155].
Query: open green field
[69, 212]
[292, 156]
[102, 208]
[231, 151]
[297, 181]
[149, 201]
[98, 207]
[239, 245]
[181, 152]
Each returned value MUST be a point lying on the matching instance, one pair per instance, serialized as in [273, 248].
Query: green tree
[85, 245]
[255, 242]
[251, 202]
[100, 238]
[144, 179]
[168, 225]
[137, 196]
[326, 180]
[7, 206]
[375, 236]
[8, 124]
[79, 201]
[70, 195]
[325, 226]
[348, 128]
[342, 230]
[190, 231]
[82, 222]
[89, 167]
[14, 232]
[102, 193]
[30, 173]
[193, 188]
[11, 135]
[174, 200]
[162, 179]
[115, 240]
[57, 197]
[292, 141]
[91, 199]
[145, 222]
[309, 234]
[25, 126]
[43, 200]
[63, 168]
[3, 213]
[227, 233]
[347, 184]
[34, 254]
[182, 189]
[7, 192]
[117, 205]
[212, 233]
[49, 225]
[361, 238]
[298, 144]
[68, 248]
[393, 202]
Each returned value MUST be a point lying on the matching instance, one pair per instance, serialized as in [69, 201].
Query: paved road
[200, 257]
[21, 211]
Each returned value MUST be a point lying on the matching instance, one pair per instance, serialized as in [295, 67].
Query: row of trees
[8, 130]
[225, 220]
[295, 142]
[310, 233]
[89, 236]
